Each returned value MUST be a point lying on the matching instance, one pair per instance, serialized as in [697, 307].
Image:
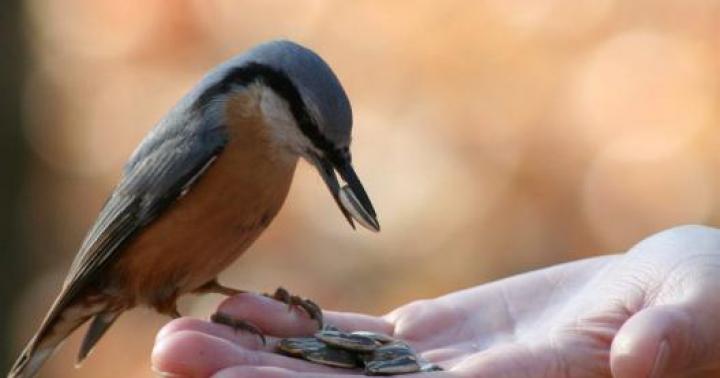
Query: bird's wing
[165, 166]
[151, 183]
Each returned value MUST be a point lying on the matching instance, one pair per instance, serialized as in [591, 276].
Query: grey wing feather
[167, 163]
[149, 186]
[100, 324]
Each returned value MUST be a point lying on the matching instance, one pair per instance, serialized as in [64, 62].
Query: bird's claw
[310, 307]
[238, 325]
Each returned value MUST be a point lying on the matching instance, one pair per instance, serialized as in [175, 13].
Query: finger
[268, 372]
[274, 318]
[511, 360]
[271, 316]
[275, 321]
[240, 337]
[245, 339]
[196, 354]
[273, 372]
[661, 340]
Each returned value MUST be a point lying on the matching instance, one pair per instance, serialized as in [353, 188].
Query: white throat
[283, 129]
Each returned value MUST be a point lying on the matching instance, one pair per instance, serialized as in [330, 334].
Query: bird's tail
[57, 326]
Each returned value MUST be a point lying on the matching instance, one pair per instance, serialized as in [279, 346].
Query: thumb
[660, 340]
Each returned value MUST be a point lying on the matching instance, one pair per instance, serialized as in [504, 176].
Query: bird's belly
[180, 253]
[203, 232]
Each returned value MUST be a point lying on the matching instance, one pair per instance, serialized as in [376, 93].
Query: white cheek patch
[281, 123]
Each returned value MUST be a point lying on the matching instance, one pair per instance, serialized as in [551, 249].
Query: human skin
[651, 312]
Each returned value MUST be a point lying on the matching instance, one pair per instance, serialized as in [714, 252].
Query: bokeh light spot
[627, 196]
[645, 86]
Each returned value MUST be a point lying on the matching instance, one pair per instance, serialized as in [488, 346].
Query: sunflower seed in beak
[350, 202]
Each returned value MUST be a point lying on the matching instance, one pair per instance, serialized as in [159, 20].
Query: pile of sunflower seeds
[375, 353]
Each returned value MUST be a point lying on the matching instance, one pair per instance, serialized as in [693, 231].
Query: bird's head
[309, 113]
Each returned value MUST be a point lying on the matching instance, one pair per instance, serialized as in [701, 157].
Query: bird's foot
[238, 325]
[310, 307]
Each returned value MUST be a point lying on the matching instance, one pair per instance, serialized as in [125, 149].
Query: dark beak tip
[376, 226]
[351, 198]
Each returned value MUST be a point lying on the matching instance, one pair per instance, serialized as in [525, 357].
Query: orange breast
[216, 221]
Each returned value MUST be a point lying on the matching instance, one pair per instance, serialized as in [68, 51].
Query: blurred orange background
[494, 137]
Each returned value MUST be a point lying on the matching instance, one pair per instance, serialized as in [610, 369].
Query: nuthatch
[201, 187]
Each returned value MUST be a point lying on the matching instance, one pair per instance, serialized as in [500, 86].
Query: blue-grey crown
[316, 82]
[316, 98]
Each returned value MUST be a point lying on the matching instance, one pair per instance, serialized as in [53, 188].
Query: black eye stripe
[282, 85]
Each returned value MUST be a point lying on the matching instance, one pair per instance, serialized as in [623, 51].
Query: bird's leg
[238, 324]
[216, 288]
[282, 295]
[168, 306]
[220, 318]
[312, 309]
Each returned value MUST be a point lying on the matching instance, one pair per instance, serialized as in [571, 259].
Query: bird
[201, 187]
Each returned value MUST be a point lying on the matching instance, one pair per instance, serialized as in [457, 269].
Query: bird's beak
[351, 198]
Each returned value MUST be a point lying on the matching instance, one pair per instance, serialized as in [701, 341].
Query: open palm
[649, 312]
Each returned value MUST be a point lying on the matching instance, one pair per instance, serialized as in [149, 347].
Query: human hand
[652, 312]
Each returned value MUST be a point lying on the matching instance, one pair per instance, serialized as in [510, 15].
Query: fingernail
[661, 359]
[164, 374]
[167, 375]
